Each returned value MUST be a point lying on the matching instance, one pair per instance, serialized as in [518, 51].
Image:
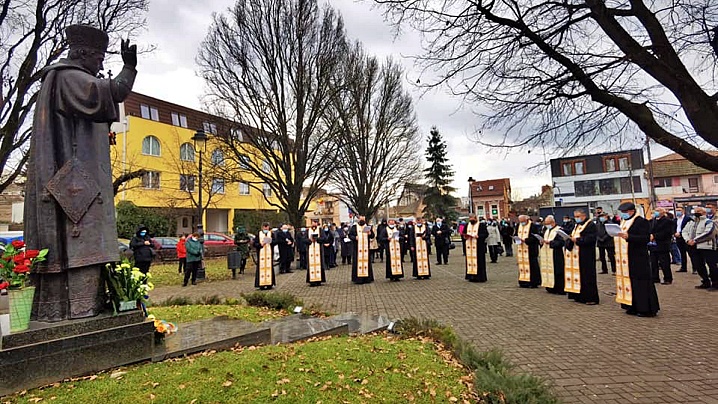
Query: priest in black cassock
[360, 234]
[285, 241]
[317, 263]
[390, 240]
[419, 238]
[264, 244]
[475, 234]
[552, 258]
[527, 253]
[584, 237]
[635, 289]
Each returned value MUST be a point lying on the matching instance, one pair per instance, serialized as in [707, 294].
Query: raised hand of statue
[129, 52]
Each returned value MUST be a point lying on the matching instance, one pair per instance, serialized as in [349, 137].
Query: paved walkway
[591, 353]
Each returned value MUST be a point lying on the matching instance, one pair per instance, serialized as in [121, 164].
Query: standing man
[493, 241]
[360, 234]
[419, 238]
[316, 245]
[460, 228]
[194, 258]
[347, 245]
[552, 258]
[507, 234]
[301, 239]
[681, 222]
[142, 249]
[264, 244]
[382, 226]
[241, 240]
[285, 241]
[328, 246]
[442, 238]
[475, 234]
[662, 234]
[700, 235]
[581, 280]
[70, 148]
[605, 243]
[635, 289]
[528, 253]
[389, 238]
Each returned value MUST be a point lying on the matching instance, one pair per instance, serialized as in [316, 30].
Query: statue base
[50, 352]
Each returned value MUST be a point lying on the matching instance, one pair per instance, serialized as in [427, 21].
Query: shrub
[276, 301]
[210, 300]
[176, 301]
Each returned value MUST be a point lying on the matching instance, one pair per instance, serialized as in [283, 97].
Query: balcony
[662, 191]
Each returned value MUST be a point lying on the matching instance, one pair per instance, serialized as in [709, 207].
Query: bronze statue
[69, 203]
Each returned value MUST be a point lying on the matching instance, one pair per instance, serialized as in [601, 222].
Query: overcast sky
[176, 28]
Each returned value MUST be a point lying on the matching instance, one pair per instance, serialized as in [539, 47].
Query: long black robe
[586, 242]
[644, 296]
[69, 201]
[385, 242]
[285, 241]
[534, 247]
[257, 243]
[316, 239]
[483, 234]
[327, 247]
[424, 233]
[353, 236]
[556, 245]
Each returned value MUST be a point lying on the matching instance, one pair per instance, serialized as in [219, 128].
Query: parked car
[166, 248]
[124, 245]
[217, 244]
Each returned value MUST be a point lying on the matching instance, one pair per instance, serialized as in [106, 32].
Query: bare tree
[31, 38]
[269, 65]
[377, 131]
[565, 73]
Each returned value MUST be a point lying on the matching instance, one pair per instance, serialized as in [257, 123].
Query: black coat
[603, 239]
[445, 237]
[141, 251]
[644, 296]
[556, 246]
[586, 241]
[662, 230]
[286, 250]
[534, 246]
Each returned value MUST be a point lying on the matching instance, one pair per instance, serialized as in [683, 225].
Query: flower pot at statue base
[128, 305]
[20, 308]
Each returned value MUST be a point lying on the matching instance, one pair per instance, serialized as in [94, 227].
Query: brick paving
[592, 354]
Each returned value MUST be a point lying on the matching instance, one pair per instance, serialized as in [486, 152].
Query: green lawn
[183, 314]
[167, 275]
[365, 369]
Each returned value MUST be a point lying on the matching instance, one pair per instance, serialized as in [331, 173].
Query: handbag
[499, 249]
[452, 246]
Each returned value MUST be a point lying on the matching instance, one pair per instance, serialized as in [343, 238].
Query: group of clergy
[563, 260]
[360, 234]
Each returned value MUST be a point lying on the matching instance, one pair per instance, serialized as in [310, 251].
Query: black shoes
[703, 286]
[666, 282]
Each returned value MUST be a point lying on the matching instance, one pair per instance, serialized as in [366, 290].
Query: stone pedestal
[50, 352]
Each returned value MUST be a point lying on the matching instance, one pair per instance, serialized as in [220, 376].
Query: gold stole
[547, 273]
[472, 245]
[422, 254]
[362, 252]
[394, 252]
[624, 293]
[315, 257]
[523, 253]
[265, 261]
[573, 270]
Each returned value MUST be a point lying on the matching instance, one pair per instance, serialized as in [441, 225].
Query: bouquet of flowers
[127, 284]
[16, 263]
[162, 328]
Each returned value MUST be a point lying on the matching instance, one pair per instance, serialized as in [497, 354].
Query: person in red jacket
[182, 252]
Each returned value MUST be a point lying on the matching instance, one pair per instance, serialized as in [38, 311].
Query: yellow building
[156, 136]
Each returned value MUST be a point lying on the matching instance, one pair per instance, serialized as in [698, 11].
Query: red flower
[18, 244]
[4, 285]
[21, 269]
[32, 253]
[19, 258]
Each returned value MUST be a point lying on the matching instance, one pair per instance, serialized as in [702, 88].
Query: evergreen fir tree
[438, 199]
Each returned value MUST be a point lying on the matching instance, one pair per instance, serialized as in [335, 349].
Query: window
[187, 152]
[154, 114]
[266, 167]
[145, 111]
[217, 157]
[187, 182]
[491, 187]
[267, 190]
[609, 186]
[573, 168]
[480, 211]
[151, 146]
[218, 186]
[693, 185]
[662, 183]
[243, 188]
[209, 127]
[715, 179]
[615, 163]
[244, 162]
[185, 221]
[151, 180]
[237, 134]
[494, 210]
[179, 120]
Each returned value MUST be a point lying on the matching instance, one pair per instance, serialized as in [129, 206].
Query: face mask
[566, 221]
[304, 229]
[438, 222]
[709, 210]
[143, 233]
[602, 219]
[419, 224]
[549, 226]
[265, 231]
[625, 216]
[391, 226]
[285, 230]
[679, 214]
[656, 214]
[362, 223]
[578, 219]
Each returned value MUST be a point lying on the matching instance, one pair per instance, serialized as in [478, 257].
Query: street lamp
[471, 200]
[200, 145]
